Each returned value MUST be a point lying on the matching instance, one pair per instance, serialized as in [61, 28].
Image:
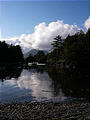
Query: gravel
[73, 110]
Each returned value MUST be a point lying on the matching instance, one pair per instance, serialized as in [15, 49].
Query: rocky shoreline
[73, 110]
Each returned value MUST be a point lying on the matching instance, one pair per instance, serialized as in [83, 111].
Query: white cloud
[14, 40]
[87, 23]
[43, 35]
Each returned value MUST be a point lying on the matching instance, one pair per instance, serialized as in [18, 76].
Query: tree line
[73, 51]
[10, 53]
[40, 57]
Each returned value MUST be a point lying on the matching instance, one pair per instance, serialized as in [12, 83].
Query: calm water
[39, 84]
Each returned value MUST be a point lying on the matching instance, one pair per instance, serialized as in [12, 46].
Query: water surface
[36, 84]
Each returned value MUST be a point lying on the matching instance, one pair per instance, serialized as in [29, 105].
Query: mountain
[33, 52]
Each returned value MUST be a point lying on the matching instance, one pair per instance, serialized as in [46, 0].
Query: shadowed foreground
[76, 110]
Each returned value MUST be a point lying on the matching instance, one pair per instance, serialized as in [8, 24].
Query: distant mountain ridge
[34, 52]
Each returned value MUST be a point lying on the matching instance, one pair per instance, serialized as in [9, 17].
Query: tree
[30, 58]
[74, 50]
[57, 43]
[10, 53]
[57, 47]
[40, 57]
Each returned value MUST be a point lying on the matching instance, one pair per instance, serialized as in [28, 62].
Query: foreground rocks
[74, 110]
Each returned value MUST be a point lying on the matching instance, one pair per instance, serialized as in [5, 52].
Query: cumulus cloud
[14, 40]
[87, 23]
[43, 35]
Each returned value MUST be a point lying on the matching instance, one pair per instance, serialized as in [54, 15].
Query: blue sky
[20, 17]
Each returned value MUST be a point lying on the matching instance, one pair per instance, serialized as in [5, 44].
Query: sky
[28, 23]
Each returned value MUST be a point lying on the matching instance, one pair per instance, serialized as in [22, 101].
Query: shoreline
[77, 110]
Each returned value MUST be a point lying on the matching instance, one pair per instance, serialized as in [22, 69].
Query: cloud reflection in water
[39, 83]
[36, 85]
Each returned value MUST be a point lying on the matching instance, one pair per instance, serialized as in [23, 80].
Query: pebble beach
[72, 110]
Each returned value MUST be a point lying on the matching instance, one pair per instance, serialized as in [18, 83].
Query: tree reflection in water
[42, 84]
[74, 83]
[10, 71]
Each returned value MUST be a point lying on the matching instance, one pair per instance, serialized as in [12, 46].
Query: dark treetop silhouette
[10, 53]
